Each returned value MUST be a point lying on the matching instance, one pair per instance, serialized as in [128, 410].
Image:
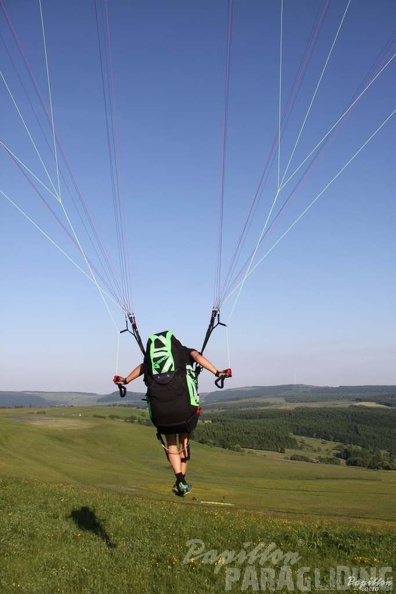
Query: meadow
[87, 506]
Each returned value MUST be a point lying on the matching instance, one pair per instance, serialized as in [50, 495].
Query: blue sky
[320, 308]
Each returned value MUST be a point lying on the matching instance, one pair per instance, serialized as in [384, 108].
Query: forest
[367, 436]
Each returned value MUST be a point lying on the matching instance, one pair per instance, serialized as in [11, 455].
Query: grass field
[87, 506]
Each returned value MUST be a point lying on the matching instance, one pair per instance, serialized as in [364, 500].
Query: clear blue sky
[320, 308]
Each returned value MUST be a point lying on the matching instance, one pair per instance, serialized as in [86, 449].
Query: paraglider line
[308, 208]
[315, 92]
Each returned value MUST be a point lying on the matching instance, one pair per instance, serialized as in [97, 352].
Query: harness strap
[186, 458]
[160, 438]
[212, 325]
[134, 331]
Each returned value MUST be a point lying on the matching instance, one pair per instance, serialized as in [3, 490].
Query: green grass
[75, 446]
[86, 506]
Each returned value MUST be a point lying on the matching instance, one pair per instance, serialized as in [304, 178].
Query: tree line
[370, 434]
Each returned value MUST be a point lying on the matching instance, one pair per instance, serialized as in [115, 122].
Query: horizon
[225, 389]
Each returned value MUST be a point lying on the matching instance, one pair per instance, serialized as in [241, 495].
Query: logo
[267, 568]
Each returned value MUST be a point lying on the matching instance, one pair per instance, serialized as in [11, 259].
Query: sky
[167, 118]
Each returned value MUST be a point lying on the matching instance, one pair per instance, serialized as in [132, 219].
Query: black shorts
[187, 427]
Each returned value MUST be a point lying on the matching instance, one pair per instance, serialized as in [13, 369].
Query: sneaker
[182, 488]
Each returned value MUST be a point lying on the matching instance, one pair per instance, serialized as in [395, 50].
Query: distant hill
[293, 393]
[135, 398]
[30, 398]
[23, 399]
[305, 393]
[248, 392]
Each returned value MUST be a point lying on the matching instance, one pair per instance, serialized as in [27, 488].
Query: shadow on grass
[86, 519]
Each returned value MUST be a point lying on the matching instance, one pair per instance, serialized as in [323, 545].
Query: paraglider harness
[171, 380]
[172, 391]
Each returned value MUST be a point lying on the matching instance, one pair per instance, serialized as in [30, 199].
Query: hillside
[304, 393]
[110, 449]
[44, 399]
[361, 435]
[87, 506]
[71, 539]
[288, 393]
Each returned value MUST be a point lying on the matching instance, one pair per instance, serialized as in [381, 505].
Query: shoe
[182, 488]
[174, 487]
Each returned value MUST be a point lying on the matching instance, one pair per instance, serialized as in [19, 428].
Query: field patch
[59, 423]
